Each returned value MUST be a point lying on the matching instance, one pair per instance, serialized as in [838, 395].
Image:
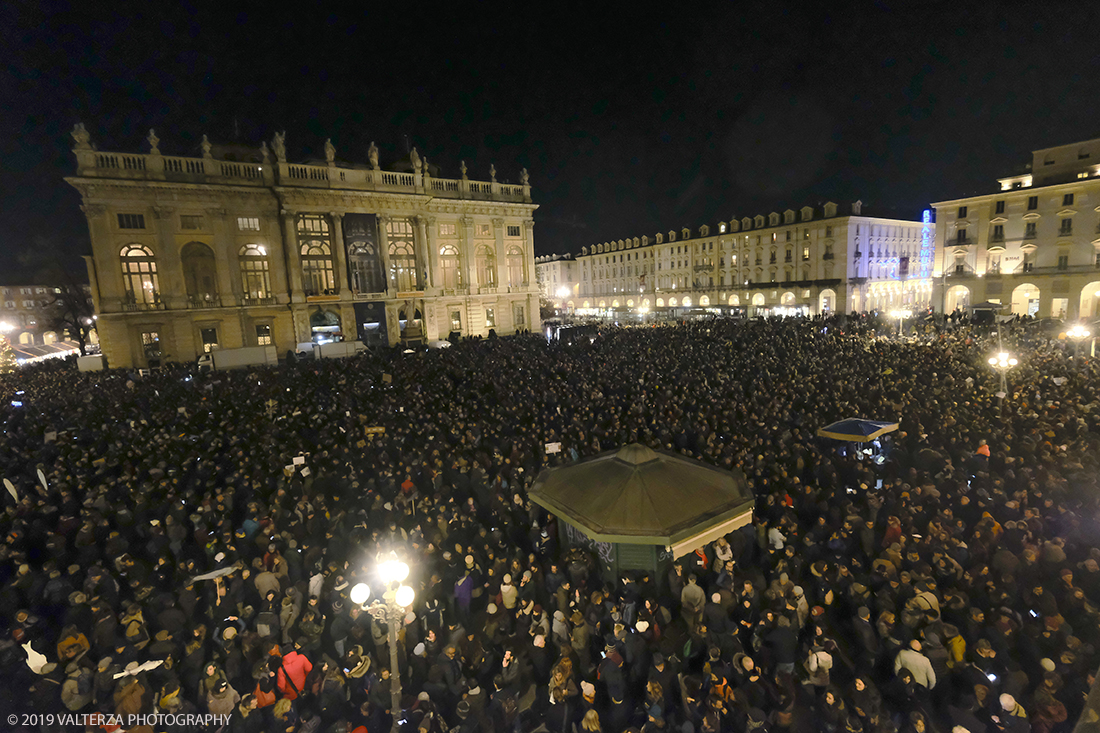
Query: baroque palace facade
[239, 247]
[814, 260]
[1033, 246]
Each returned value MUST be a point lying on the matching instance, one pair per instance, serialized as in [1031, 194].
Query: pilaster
[467, 239]
[425, 250]
[223, 244]
[173, 289]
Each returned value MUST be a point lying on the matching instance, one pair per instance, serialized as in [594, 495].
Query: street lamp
[6, 327]
[901, 314]
[1002, 362]
[391, 609]
[1077, 334]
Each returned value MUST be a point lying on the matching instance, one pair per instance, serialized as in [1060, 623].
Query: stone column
[468, 257]
[293, 256]
[339, 251]
[384, 251]
[106, 258]
[502, 259]
[275, 244]
[432, 228]
[424, 268]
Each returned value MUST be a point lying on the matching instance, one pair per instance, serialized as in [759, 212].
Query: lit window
[456, 320]
[263, 335]
[209, 339]
[448, 230]
[139, 274]
[255, 280]
[248, 223]
[484, 230]
[490, 318]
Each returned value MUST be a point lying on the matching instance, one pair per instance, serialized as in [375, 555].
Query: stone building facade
[1033, 245]
[240, 247]
[558, 277]
[810, 261]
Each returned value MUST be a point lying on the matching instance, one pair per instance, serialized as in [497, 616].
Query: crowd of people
[187, 543]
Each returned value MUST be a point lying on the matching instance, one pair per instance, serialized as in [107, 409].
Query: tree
[7, 356]
[71, 310]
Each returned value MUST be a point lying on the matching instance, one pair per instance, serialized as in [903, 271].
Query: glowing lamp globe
[360, 592]
[404, 596]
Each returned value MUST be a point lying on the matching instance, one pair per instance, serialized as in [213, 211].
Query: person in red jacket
[292, 673]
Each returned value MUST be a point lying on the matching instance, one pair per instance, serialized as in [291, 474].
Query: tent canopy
[635, 495]
[857, 430]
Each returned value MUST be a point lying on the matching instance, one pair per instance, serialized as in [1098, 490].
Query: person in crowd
[166, 549]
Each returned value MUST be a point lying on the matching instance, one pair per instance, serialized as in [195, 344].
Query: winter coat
[222, 703]
[918, 664]
[297, 667]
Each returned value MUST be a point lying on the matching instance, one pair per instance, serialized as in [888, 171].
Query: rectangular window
[1000, 207]
[1066, 227]
[998, 232]
[131, 221]
[248, 223]
[1063, 262]
[263, 335]
[1032, 203]
[1067, 199]
[805, 253]
[490, 318]
[788, 236]
[312, 224]
[962, 212]
[190, 221]
[1029, 230]
[209, 339]
[28, 304]
[448, 230]
[828, 231]
[513, 231]
[961, 236]
[456, 320]
[484, 230]
[519, 316]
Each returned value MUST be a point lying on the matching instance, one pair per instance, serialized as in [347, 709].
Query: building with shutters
[237, 246]
[1032, 245]
[810, 261]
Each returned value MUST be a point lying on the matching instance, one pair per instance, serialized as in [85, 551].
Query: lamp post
[391, 609]
[901, 314]
[1077, 334]
[1002, 362]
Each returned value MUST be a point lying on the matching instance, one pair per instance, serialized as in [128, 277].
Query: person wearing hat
[78, 689]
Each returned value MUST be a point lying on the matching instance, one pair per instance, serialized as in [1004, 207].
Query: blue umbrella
[857, 430]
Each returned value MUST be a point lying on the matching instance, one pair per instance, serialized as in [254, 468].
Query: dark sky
[629, 120]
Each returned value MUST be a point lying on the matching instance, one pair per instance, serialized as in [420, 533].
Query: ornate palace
[239, 247]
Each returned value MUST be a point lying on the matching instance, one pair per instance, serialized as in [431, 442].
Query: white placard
[11, 489]
[305, 470]
[42, 478]
[553, 448]
[181, 410]
[50, 436]
[299, 460]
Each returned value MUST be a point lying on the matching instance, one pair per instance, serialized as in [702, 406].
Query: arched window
[449, 266]
[515, 267]
[403, 266]
[317, 271]
[139, 275]
[363, 268]
[255, 277]
[199, 273]
[486, 266]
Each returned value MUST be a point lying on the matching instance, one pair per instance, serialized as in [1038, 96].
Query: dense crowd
[953, 585]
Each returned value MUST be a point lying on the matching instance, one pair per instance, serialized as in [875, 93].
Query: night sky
[629, 120]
